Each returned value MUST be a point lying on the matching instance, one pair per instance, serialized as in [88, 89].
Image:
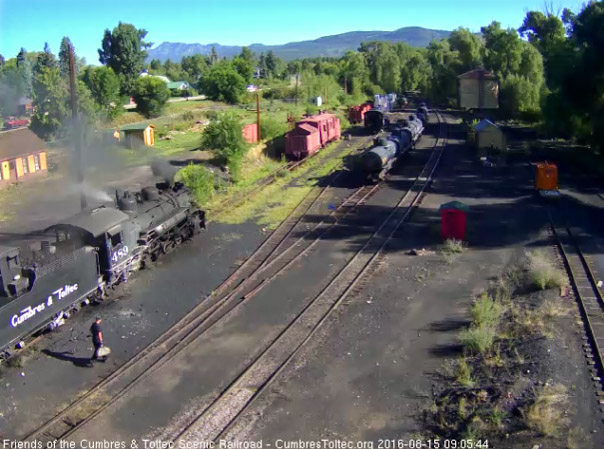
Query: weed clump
[546, 414]
[486, 316]
[541, 271]
[450, 249]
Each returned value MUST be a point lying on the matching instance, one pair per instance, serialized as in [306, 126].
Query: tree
[21, 57]
[213, 56]
[444, 62]
[104, 86]
[247, 54]
[123, 49]
[155, 65]
[223, 136]
[244, 67]
[2, 61]
[262, 65]
[64, 56]
[151, 95]
[469, 47]
[45, 60]
[195, 66]
[272, 64]
[223, 83]
[50, 102]
[502, 51]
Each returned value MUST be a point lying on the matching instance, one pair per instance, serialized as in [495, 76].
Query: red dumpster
[453, 225]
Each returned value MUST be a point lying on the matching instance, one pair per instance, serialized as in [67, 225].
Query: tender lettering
[30, 311]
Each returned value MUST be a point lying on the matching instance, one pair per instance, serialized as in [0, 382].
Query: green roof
[454, 205]
[176, 84]
[136, 127]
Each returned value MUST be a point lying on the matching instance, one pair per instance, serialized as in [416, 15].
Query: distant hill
[333, 46]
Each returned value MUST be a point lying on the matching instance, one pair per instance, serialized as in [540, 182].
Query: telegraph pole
[77, 140]
[258, 115]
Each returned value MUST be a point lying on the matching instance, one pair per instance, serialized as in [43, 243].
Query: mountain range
[333, 46]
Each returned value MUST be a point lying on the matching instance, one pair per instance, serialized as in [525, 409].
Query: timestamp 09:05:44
[432, 444]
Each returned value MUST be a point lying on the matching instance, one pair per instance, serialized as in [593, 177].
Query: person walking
[97, 338]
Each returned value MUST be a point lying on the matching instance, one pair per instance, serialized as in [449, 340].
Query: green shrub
[478, 338]
[223, 136]
[150, 95]
[271, 128]
[486, 312]
[464, 373]
[546, 414]
[199, 181]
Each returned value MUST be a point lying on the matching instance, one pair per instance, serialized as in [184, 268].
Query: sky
[30, 23]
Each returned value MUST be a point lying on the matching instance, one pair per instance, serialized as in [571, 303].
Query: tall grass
[486, 316]
[546, 414]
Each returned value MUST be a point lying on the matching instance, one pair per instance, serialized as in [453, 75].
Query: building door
[12, 169]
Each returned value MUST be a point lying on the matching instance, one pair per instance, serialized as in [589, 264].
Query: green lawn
[188, 141]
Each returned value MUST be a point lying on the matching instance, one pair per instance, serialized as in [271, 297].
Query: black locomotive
[80, 259]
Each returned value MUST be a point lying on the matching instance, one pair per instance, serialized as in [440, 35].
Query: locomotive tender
[378, 160]
[80, 259]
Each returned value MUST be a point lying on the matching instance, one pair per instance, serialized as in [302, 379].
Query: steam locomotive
[378, 160]
[79, 260]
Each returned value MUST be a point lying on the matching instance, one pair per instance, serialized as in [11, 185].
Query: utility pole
[297, 79]
[258, 115]
[77, 136]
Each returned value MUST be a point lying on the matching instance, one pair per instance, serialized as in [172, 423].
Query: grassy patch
[178, 143]
[486, 311]
[464, 373]
[275, 202]
[546, 414]
[450, 249]
[541, 271]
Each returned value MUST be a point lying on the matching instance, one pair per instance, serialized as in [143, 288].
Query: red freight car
[311, 134]
[13, 123]
[356, 114]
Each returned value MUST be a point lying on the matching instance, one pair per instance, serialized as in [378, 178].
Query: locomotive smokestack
[162, 169]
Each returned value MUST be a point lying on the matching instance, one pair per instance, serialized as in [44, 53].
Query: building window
[116, 239]
[37, 162]
[24, 162]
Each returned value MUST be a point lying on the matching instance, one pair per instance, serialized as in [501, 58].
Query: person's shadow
[82, 362]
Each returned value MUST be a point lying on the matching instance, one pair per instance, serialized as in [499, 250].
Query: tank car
[78, 260]
[378, 160]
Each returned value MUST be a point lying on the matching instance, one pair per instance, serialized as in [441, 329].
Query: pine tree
[64, 56]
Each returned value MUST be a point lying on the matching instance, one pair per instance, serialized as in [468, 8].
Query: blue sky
[30, 23]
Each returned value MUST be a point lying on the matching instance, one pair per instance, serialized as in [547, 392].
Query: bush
[223, 83]
[223, 136]
[150, 95]
[478, 338]
[199, 181]
[271, 128]
[486, 312]
[541, 271]
[546, 414]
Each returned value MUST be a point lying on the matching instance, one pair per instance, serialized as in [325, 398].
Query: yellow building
[489, 135]
[137, 136]
[22, 156]
[478, 89]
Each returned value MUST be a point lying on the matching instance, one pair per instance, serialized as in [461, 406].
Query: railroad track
[267, 261]
[221, 415]
[589, 298]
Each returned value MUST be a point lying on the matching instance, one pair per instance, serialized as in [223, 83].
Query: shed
[250, 132]
[478, 89]
[489, 135]
[138, 136]
[22, 156]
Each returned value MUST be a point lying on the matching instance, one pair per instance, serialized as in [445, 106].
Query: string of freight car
[220, 416]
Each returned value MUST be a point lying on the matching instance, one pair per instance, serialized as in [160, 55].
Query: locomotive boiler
[80, 259]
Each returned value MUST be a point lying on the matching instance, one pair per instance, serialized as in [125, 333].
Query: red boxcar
[12, 123]
[250, 133]
[311, 134]
[356, 114]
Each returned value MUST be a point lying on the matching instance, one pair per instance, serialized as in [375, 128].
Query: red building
[312, 134]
